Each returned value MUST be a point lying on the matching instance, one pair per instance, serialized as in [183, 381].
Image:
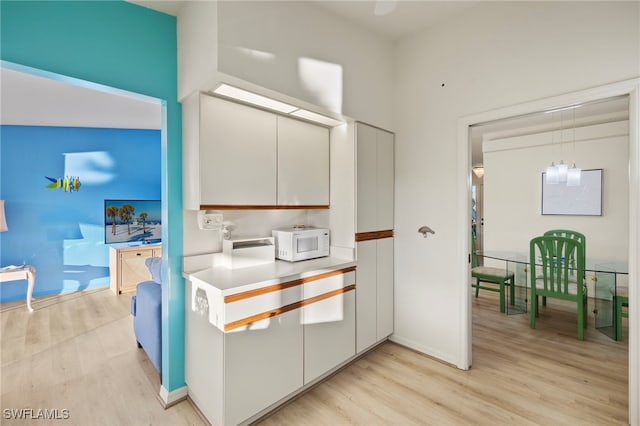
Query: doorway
[466, 124]
[41, 98]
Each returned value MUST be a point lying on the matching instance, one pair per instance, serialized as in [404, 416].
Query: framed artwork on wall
[582, 200]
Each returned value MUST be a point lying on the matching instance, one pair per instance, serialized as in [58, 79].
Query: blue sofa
[146, 308]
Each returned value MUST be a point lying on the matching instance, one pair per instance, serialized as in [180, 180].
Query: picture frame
[582, 200]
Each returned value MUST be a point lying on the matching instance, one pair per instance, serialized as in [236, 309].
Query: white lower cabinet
[375, 292]
[262, 365]
[384, 284]
[234, 376]
[366, 296]
[329, 329]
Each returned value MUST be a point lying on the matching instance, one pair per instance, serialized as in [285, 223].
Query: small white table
[26, 272]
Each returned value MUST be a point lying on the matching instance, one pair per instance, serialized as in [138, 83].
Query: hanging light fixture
[561, 173]
[573, 176]
[551, 174]
[574, 173]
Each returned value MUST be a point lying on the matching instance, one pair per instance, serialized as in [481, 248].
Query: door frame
[627, 87]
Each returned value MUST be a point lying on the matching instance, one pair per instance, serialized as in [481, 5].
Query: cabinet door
[329, 327]
[385, 180]
[262, 365]
[303, 163]
[375, 179]
[384, 300]
[366, 178]
[132, 269]
[366, 295]
[237, 154]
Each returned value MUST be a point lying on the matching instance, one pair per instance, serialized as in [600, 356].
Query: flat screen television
[132, 221]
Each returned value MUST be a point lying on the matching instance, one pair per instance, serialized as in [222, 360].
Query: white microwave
[294, 244]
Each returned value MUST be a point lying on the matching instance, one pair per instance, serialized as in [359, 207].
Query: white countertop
[231, 281]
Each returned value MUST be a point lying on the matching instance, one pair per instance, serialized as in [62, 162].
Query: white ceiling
[30, 100]
[404, 17]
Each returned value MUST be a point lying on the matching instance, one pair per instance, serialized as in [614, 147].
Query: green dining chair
[569, 233]
[621, 309]
[494, 279]
[574, 235]
[557, 261]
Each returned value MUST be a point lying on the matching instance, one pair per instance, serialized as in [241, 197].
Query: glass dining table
[605, 280]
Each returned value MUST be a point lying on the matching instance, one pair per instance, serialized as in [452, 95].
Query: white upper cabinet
[367, 184]
[375, 178]
[303, 163]
[237, 154]
[385, 179]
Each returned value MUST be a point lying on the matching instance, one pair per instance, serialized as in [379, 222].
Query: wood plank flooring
[78, 352]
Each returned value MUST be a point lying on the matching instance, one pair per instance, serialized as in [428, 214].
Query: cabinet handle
[138, 254]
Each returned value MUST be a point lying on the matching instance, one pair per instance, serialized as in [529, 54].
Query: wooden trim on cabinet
[261, 207]
[281, 286]
[374, 235]
[279, 311]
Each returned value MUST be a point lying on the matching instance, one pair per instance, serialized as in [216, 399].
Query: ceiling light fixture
[551, 111]
[319, 118]
[272, 104]
[478, 171]
[561, 173]
[253, 98]
[574, 174]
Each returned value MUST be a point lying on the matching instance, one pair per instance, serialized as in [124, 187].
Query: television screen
[127, 221]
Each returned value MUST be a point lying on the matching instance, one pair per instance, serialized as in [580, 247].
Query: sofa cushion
[154, 264]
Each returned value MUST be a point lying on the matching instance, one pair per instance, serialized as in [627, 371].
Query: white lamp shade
[3, 220]
[551, 175]
[573, 176]
[562, 172]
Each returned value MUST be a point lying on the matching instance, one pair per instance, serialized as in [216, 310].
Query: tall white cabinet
[237, 156]
[374, 234]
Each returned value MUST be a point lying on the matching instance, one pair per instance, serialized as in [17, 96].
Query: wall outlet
[209, 221]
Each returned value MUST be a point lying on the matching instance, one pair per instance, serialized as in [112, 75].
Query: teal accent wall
[128, 47]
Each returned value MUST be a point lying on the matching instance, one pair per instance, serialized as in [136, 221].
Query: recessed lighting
[254, 98]
[272, 104]
[318, 118]
[562, 108]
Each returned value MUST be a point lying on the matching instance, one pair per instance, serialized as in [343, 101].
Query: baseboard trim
[171, 398]
[430, 352]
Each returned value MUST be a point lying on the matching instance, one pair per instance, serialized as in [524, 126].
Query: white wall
[197, 45]
[513, 184]
[303, 51]
[494, 55]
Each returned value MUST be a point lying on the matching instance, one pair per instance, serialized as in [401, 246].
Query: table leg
[31, 278]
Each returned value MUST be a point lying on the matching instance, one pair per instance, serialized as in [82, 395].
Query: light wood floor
[78, 352]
